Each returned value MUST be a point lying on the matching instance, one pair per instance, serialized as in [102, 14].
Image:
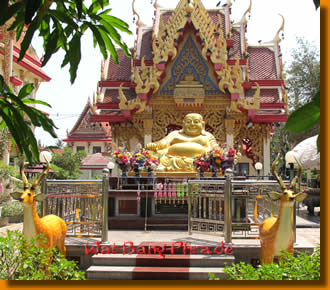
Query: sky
[68, 101]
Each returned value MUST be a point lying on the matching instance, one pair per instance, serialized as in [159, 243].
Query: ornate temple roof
[241, 71]
[85, 130]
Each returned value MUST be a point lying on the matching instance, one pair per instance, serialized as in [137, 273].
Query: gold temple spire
[138, 21]
[94, 104]
[277, 35]
[243, 19]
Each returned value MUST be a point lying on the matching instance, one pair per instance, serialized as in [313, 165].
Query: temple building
[91, 137]
[195, 60]
[17, 74]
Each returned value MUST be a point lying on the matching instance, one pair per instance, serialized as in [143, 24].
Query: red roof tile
[236, 49]
[111, 95]
[261, 63]
[165, 16]
[96, 159]
[267, 95]
[121, 71]
[146, 49]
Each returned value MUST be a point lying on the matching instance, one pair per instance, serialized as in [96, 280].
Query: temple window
[97, 149]
[80, 148]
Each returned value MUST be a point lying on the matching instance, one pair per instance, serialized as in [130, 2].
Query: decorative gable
[190, 62]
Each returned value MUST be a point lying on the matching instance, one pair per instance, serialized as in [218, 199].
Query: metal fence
[82, 204]
[237, 207]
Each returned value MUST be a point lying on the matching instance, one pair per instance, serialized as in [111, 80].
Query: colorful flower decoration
[122, 160]
[215, 159]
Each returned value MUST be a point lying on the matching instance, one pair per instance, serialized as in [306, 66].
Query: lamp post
[45, 157]
[258, 167]
[291, 160]
[105, 186]
[228, 207]
[110, 166]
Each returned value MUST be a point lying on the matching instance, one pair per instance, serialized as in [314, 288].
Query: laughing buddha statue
[179, 147]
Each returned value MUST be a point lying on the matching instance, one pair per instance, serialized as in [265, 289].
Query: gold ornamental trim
[124, 104]
[252, 103]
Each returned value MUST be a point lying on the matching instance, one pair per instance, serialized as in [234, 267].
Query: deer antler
[294, 180]
[25, 181]
[279, 179]
[41, 177]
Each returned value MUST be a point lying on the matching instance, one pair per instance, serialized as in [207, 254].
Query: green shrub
[302, 267]
[23, 260]
[12, 208]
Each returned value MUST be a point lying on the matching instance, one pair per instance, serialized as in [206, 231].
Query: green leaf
[28, 38]
[118, 23]
[316, 3]
[74, 55]
[33, 101]
[303, 119]
[98, 38]
[109, 45]
[25, 91]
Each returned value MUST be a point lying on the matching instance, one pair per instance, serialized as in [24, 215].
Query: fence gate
[78, 203]
[206, 206]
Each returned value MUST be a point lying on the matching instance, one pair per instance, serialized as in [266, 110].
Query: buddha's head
[193, 124]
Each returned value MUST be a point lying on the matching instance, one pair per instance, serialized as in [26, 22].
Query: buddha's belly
[187, 149]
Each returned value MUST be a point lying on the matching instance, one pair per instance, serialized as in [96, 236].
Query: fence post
[228, 215]
[189, 207]
[105, 189]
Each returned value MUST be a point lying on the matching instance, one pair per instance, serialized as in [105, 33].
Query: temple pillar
[230, 124]
[147, 126]
[266, 161]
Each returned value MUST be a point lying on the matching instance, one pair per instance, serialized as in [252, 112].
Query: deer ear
[274, 196]
[16, 195]
[300, 196]
[40, 197]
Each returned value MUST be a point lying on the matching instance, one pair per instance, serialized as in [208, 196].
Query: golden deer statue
[276, 234]
[51, 226]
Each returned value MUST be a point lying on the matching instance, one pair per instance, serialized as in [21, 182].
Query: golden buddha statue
[179, 147]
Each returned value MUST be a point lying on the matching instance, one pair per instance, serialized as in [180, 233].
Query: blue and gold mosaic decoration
[190, 60]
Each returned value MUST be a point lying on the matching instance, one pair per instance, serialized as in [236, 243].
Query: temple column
[266, 163]
[147, 126]
[230, 124]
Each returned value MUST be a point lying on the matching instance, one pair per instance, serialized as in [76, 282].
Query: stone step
[152, 273]
[159, 261]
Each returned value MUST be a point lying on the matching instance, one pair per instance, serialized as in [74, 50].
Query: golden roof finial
[138, 22]
[98, 95]
[94, 104]
[190, 6]
[156, 4]
[243, 19]
[277, 35]
[102, 70]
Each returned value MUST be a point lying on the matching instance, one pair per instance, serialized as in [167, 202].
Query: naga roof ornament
[252, 103]
[231, 78]
[124, 104]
